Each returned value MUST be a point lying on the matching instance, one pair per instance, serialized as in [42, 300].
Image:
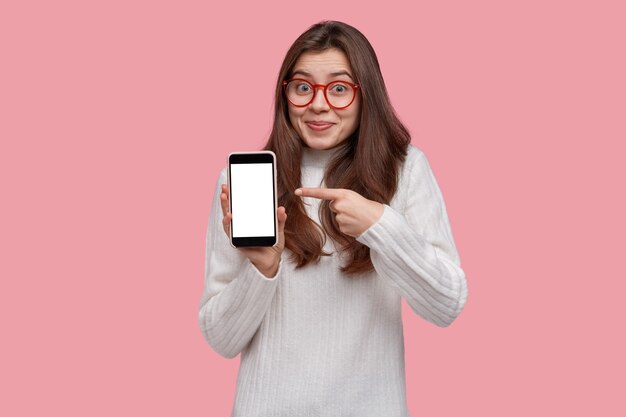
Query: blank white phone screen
[252, 199]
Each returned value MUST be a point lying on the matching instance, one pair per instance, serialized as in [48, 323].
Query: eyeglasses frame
[325, 88]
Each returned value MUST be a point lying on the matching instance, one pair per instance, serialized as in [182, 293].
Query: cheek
[353, 120]
[294, 117]
[355, 115]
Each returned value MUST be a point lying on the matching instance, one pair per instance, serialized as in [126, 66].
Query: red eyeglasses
[338, 94]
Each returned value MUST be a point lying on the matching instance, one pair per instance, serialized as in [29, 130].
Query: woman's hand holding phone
[265, 259]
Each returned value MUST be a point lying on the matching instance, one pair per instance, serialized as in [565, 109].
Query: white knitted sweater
[315, 342]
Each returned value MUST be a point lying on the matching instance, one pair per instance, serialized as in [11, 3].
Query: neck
[318, 157]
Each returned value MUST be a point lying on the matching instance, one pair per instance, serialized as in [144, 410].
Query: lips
[319, 125]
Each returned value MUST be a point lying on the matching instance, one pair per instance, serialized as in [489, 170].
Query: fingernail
[298, 191]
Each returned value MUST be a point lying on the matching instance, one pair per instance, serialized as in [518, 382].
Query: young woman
[362, 223]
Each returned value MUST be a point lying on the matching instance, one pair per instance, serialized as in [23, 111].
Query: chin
[320, 144]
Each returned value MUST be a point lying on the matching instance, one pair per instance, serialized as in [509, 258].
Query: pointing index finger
[322, 193]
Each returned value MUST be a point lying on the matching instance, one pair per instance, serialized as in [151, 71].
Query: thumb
[282, 219]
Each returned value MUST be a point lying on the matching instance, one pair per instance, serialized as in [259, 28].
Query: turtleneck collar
[318, 157]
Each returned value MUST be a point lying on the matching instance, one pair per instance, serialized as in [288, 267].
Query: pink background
[116, 117]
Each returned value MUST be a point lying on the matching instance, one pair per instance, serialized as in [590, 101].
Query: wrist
[268, 269]
[376, 214]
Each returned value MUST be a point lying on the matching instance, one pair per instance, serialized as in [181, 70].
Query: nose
[319, 102]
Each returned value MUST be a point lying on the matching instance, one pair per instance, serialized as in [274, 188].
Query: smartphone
[253, 200]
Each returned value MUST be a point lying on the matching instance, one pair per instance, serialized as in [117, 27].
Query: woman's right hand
[265, 259]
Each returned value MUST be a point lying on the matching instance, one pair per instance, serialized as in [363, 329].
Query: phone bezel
[255, 157]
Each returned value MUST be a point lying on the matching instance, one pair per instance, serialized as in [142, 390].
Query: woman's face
[319, 125]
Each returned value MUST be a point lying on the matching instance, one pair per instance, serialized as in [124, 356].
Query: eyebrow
[334, 74]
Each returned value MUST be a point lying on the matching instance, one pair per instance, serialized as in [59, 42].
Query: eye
[339, 88]
[303, 88]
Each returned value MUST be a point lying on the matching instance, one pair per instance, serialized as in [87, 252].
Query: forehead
[322, 63]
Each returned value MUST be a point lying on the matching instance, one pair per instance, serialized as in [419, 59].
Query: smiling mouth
[319, 122]
[317, 126]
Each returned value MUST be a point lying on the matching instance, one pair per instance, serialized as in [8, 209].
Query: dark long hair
[369, 163]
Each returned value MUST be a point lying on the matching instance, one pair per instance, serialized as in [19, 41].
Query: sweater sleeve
[414, 251]
[236, 295]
